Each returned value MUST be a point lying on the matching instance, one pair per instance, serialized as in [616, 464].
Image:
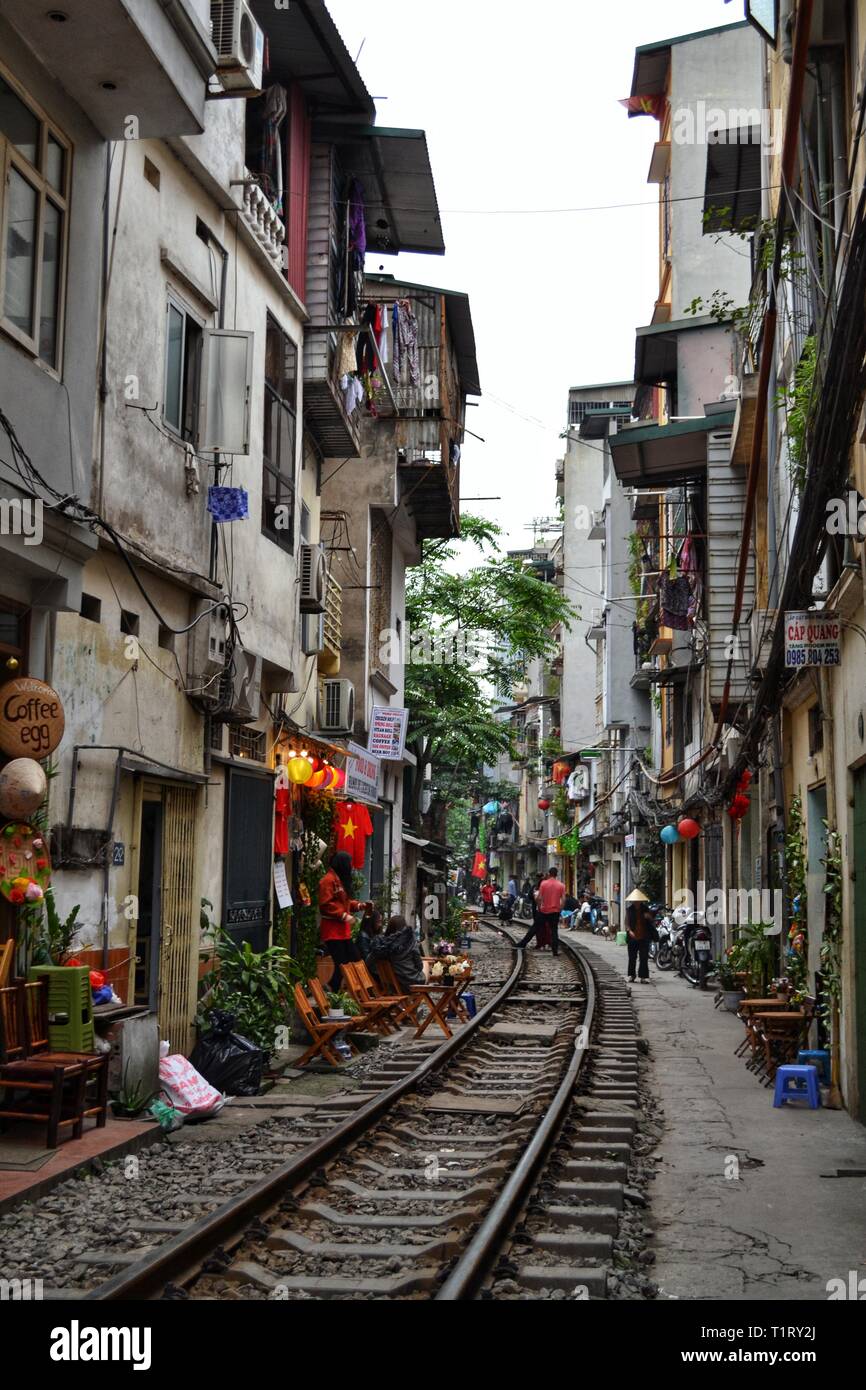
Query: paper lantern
[689, 829]
[23, 786]
[341, 779]
[318, 779]
[544, 804]
[299, 770]
[332, 780]
[670, 835]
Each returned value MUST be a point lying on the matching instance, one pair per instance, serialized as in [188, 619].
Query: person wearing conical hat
[639, 927]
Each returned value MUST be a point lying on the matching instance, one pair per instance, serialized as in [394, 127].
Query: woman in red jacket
[336, 906]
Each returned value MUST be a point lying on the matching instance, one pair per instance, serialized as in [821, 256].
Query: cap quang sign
[812, 639]
[362, 775]
[31, 718]
[388, 732]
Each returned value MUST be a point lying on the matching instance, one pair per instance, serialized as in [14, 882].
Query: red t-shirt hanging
[283, 804]
[353, 830]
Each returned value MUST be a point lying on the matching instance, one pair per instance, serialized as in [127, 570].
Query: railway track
[494, 1166]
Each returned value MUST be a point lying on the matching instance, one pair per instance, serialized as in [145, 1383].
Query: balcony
[332, 630]
[654, 455]
[148, 58]
[431, 489]
[263, 220]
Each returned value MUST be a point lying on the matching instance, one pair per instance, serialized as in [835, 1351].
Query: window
[13, 641]
[129, 623]
[34, 168]
[166, 638]
[91, 608]
[247, 743]
[151, 173]
[280, 428]
[183, 356]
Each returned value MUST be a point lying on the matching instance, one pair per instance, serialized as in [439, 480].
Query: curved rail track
[493, 1165]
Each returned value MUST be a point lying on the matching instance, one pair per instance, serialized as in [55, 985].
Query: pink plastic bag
[186, 1089]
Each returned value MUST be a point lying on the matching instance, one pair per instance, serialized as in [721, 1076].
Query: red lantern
[544, 804]
[341, 779]
[319, 777]
[689, 829]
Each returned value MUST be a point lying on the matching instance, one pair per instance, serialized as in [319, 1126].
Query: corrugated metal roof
[652, 60]
[459, 312]
[305, 46]
[393, 166]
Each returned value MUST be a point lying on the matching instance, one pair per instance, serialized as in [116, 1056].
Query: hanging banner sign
[31, 718]
[812, 639]
[362, 775]
[388, 733]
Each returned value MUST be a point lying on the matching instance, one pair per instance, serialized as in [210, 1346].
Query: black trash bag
[231, 1064]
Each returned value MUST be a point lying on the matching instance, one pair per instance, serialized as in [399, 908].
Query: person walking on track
[639, 929]
[549, 901]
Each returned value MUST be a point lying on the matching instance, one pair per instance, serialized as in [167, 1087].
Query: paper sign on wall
[281, 885]
[388, 732]
[362, 775]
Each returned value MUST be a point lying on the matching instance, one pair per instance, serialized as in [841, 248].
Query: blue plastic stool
[797, 1083]
[821, 1060]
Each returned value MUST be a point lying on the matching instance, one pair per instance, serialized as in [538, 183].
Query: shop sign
[31, 718]
[362, 775]
[388, 732]
[631, 841]
[812, 639]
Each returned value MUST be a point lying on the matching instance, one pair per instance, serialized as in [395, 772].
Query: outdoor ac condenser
[240, 45]
[336, 707]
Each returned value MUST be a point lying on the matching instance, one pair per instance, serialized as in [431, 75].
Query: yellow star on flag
[349, 828]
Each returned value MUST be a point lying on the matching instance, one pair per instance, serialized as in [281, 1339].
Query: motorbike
[695, 947]
[657, 914]
[666, 929]
[599, 916]
[505, 907]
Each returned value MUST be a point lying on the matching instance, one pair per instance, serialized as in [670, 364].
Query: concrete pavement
[747, 1202]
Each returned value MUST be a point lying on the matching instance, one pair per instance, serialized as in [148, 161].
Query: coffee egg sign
[31, 718]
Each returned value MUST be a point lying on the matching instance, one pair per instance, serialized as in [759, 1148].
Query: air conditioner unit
[312, 633]
[240, 45]
[206, 652]
[314, 578]
[336, 707]
[246, 689]
[763, 624]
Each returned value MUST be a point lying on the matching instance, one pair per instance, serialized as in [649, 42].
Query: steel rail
[179, 1257]
[483, 1250]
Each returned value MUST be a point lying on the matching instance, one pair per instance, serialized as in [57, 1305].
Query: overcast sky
[520, 107]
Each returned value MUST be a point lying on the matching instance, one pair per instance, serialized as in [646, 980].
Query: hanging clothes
[353, 393]
[347, 353]
[406, 342]
[228, 503]
[282, 807]
[366, 354]
[675, 597]
[354, 827]
[383, 335]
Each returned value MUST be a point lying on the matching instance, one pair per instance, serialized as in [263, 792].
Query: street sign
[31, 718]
[812, 639]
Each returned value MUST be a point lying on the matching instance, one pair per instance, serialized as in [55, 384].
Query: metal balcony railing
[332, 639]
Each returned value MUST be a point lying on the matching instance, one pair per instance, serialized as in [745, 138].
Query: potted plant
[130, 1100]
[731, 989]
[342, 1005]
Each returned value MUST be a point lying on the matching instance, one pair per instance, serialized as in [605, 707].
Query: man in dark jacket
[399, 946]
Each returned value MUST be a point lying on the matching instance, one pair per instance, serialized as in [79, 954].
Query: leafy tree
[477, 626]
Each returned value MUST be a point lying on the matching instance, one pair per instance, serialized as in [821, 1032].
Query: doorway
[249, 857]
[149, 904]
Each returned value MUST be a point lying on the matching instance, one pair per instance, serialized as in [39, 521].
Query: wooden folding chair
[389, 981]
[322, 1033]
[398, 1000]
[7, 957]
[379, 1012]
[322, 1003]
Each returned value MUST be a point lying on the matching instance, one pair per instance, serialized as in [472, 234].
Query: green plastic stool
[70, 1006]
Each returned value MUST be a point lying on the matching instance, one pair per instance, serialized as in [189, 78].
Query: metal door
[248, 857]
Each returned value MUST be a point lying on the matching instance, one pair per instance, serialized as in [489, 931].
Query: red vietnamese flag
[354, 827]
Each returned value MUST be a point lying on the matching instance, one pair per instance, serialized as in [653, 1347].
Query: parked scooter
[664, 956]
[694, 947]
